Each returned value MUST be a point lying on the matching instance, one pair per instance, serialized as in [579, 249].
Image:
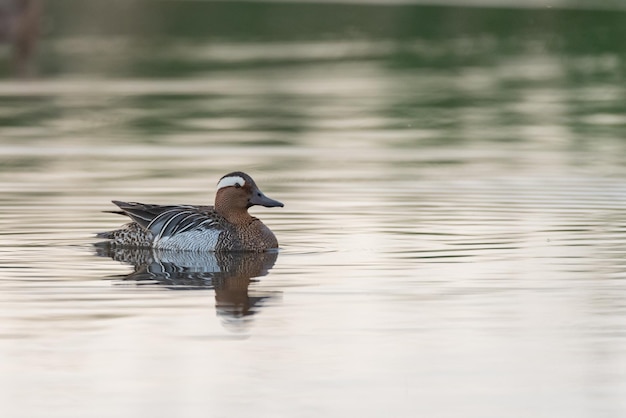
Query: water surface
[452, 242]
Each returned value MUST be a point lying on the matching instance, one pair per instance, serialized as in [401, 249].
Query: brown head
[236, 192]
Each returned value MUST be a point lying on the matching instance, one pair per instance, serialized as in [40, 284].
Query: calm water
[452, 242]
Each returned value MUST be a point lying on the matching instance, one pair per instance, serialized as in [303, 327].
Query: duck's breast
[256, 237]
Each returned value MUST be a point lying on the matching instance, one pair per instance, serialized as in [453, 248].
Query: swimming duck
[226, 226]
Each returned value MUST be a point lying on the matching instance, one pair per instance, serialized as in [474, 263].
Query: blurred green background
[136, 70]
[131, 37]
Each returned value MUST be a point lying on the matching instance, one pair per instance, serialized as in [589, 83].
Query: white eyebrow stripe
[231, 181]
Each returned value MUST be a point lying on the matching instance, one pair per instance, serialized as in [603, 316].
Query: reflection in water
[229, 274]
[19, 25]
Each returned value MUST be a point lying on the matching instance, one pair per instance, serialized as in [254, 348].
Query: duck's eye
[237, 186]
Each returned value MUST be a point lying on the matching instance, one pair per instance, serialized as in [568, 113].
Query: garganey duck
[227, 226]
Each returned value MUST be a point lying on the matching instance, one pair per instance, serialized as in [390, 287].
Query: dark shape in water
[19, 26]
[228, 273]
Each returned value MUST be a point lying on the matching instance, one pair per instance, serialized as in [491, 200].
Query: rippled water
[452, 242]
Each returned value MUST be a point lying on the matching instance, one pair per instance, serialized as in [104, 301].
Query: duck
[225, 226]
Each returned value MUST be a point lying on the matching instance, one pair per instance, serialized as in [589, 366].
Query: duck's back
[176, 227]
[187, 228]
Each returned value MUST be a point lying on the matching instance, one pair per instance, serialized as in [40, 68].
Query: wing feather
[166, 221]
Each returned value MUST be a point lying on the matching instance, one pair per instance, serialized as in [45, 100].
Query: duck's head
[237, 191]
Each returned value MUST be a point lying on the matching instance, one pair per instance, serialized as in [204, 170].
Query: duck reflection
[229, 274]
